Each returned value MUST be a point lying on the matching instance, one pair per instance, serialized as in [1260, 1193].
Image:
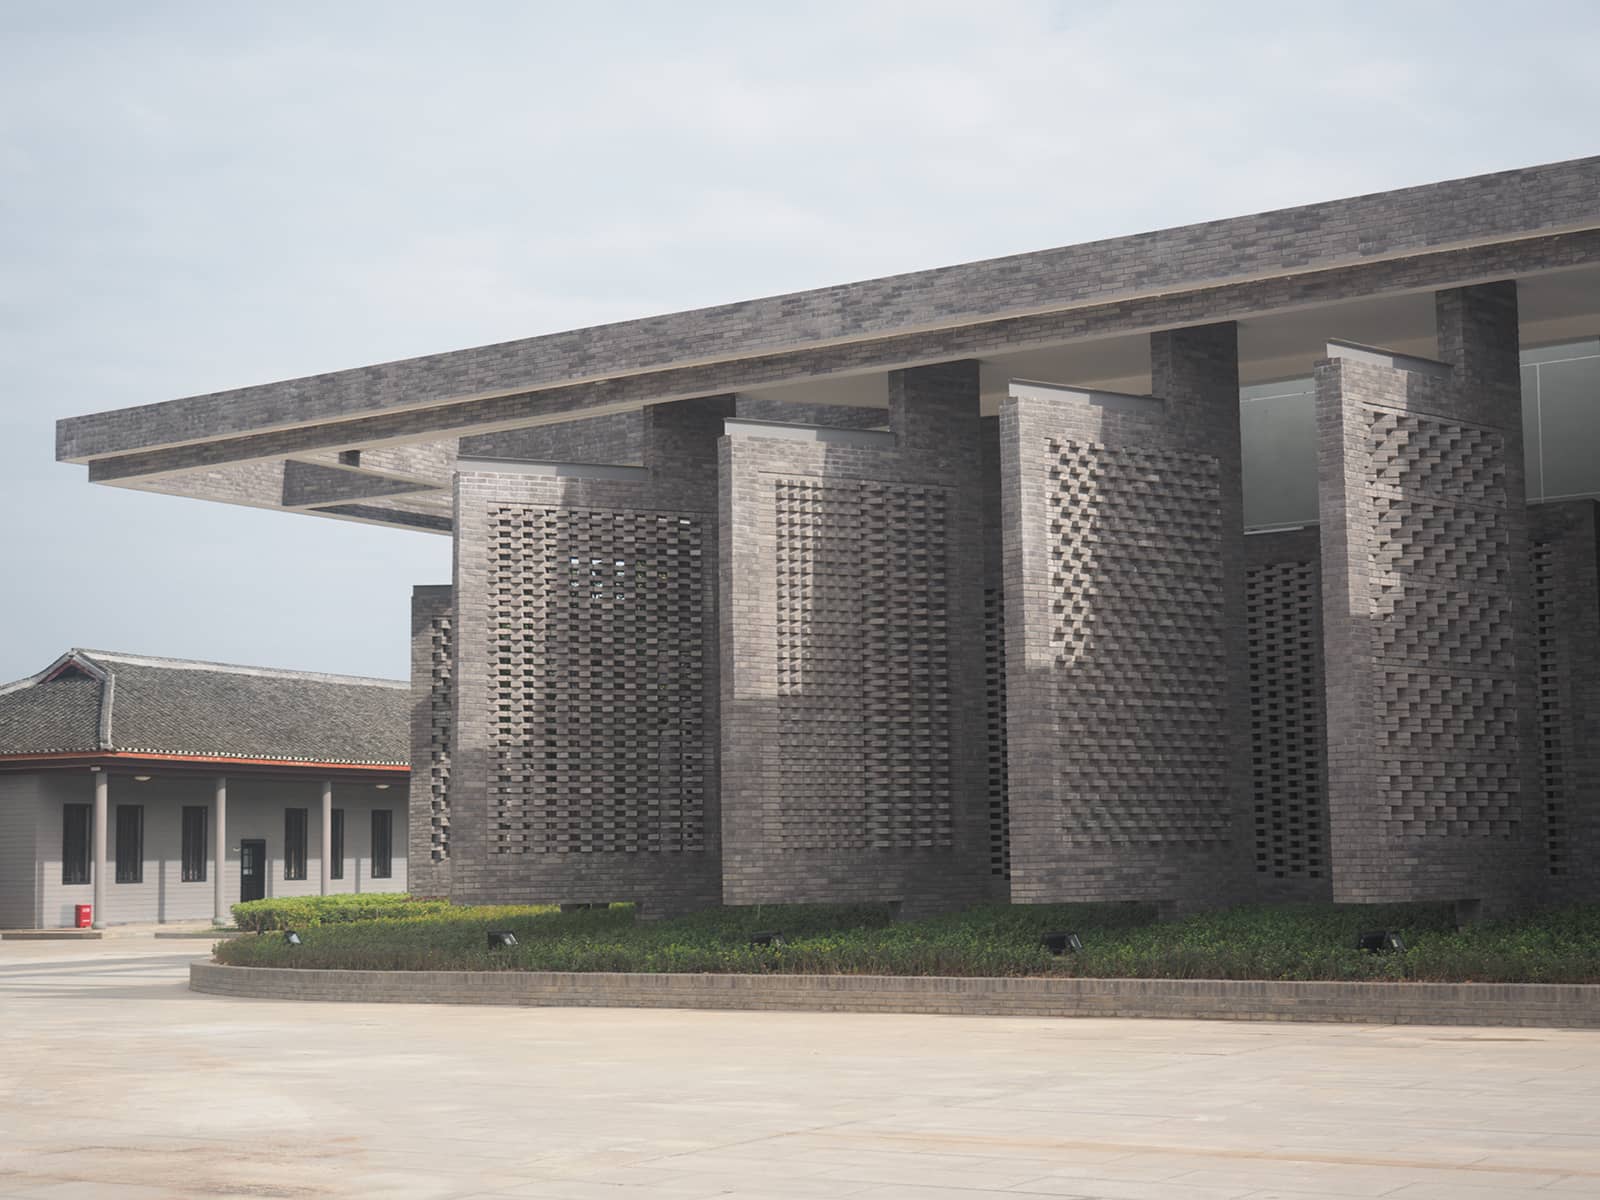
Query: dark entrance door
[252, 869]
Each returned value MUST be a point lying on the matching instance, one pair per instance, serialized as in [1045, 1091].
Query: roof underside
[202, 710]
[379, 443]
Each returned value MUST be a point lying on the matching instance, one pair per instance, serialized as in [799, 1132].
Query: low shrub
[308, 912]
[1307, 941]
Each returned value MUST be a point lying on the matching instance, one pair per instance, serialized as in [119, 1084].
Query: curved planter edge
[1521, 1004]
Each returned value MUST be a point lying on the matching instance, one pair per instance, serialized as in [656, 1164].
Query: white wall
[19, 798]
[255, 810]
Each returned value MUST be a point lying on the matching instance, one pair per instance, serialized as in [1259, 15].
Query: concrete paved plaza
[115, 1081]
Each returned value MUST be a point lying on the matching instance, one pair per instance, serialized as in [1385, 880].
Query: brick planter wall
[1531, 1004]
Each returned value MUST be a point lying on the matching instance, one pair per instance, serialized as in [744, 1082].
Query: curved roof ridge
[112, 657]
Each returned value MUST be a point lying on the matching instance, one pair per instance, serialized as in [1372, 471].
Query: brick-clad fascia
[1235, 301]
[1511, 207]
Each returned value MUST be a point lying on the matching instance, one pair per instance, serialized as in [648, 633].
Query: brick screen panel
[1288, 750]
[1565, 568]
[598, 703]
[854, 737]
[1428, 616]
[585, 767]
[1127, 690]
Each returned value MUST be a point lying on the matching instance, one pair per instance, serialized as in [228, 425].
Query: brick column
[853, 723]
[1428, 620]
[1127, 696]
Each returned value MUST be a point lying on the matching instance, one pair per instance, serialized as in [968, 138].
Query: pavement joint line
[1066, 1144]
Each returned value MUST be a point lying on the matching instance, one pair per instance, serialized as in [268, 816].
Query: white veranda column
[219, 853]
[98, 847]
[327, 835]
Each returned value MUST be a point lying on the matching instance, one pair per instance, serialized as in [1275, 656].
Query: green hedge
[1258, 942]
[308, 912]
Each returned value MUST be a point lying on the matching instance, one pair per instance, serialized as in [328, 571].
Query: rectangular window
[75, 843]
[382, 843]
[294, 843]
[194, 843]
[130, 843]
[336, 870]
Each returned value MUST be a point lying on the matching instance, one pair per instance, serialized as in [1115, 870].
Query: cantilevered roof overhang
[1360, 269]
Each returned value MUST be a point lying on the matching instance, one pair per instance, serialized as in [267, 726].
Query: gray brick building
[1248, 559]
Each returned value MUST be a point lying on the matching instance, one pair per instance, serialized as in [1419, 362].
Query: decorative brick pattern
[820, 689]
[1555, 734]
[863, 665]
[1137, 572]
[1449, 757]
[441, 703]
[1565, 568]
[598, 633]
[432, 739]
[1288, 763]
[994, 695]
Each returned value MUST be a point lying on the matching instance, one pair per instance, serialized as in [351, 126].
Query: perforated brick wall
[432, 721]
[1566, 577]
[1428, 615]
[1288, 746]
[599, 637]
[994, 657]
[1126, 671]
[585, 768]
[853, 734]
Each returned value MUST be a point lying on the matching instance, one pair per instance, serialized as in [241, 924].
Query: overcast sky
[201, 196]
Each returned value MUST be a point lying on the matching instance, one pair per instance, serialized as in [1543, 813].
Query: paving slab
[116, 1081]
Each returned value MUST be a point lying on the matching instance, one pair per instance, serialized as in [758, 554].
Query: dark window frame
[336, 836]
[130, 843]
[196, 825]
[383, 843]
[294, 842]
[75, 859]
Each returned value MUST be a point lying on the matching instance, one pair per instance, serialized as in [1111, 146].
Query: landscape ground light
[1379, 941]
[1060, 943]
[501, 937]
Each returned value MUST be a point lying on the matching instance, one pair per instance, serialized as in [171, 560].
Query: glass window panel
[294, 843]
[1569, 427]
[75, 843]
[1587, 348]
[382, 843]
[1530, 432]
[130, 843]
[1278, 435]
[194, 844]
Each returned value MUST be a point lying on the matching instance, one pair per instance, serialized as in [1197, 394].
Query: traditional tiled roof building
[126, 779]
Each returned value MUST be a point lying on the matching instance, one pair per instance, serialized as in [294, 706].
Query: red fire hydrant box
[85, 915]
